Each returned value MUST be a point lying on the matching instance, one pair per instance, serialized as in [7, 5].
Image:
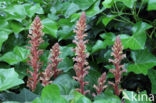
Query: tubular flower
[81, 65]
[101, 84]
[35, 35]
[51, 69]
[118, 56]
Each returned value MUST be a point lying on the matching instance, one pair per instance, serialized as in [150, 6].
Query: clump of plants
[81, 65]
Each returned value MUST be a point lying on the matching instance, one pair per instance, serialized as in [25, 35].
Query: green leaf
[151, 5]
[128, 3]
[17, 55]
[31, 9]
[98, 46]
[3, 37]
[25, 95]
[132, 97]
[107, 3]
[107, 19]
[66, 51]
[71, 9]
[15, 12]
[79, 98]
[94, 10]
[108, 40]
[16, 27]
[138, 39]
[50, 27]
[50, 94]
[107, 97]
[152, 76]
[84, 4]
[65, 32]
[66, 83]
[8, 79]
[143, 60]
[66, 64]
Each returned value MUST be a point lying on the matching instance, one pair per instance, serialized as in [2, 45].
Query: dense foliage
[134, 21]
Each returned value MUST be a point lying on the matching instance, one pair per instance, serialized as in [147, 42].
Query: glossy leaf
[138, 39]
[8, 79]
[15, 12]
[143, 60]
[84, 4]
[151, 5]
[152, 76]
[66, 83]
[94, 10]
[3, 37]
[50, 94]
[108, 40]
[66, 64]
[79, 98]
[107, 3]
[128, 3]
[32, 9]
[17, 55]
[16, 27]
[50, 27]
[71, 9]
[107, 97]
[107, 19]
[24, 96]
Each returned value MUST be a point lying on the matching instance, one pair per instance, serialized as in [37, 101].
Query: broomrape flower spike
[101, 84]
[81, 65]
[118, 56]
[51, 69]
[35, 35]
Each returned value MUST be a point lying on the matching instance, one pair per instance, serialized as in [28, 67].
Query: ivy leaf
[128, 3]
[4, 36]
[84, 4]
[152, 76]
[31, 9]
[17, 55]
[107, 19]
[94, 10]
[66, 64]
[8, 79]
[16, 27]
[66, 83]
[143, 60]
[24, 96]
[151, 5]
[107, 3]
[108, 40]
[71, 9]
[65, 32]
[138, 39]
[79, 98]
[98, 46]
[50, 27]
[50, 93]
[15, 12]
[107, 97]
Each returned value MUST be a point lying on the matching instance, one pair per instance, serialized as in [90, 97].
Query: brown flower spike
[35, 35]
[51, 69]
[118, 56]
[101, 84]
[81, 65]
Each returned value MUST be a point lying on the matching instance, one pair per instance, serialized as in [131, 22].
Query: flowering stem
[81, 65]
[35, 34]
[118, 56]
